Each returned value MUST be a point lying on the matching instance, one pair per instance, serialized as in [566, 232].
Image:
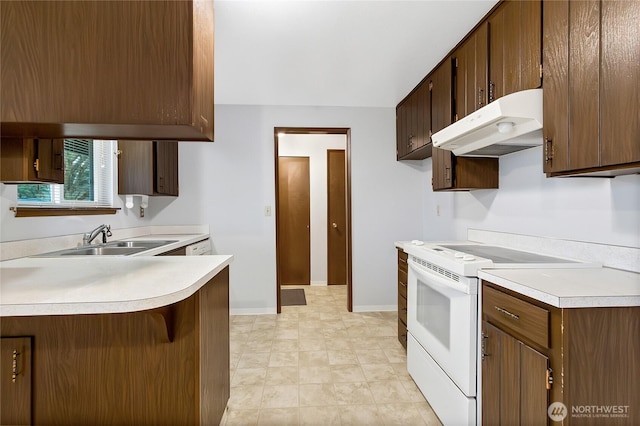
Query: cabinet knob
[334, 225]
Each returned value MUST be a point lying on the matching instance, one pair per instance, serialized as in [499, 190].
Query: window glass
[88, 178]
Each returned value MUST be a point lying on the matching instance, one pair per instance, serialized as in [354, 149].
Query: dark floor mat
[292, 297]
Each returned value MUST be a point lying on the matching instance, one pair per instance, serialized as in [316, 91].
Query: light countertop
[570, 288]
[102, 284]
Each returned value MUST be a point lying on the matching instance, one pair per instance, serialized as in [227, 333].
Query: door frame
[315, 131]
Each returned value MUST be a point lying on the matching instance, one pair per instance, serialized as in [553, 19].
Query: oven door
[442, 318]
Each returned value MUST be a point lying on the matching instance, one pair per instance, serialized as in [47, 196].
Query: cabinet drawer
[402, 261]
[402, 309]
[402, 283]
[522, 317]
[402, 334]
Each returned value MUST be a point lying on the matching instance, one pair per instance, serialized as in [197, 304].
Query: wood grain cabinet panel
[515, 35]
[32, 160]
[148, 168]
[15, 380]
[413, 124]
[463, 173]
[589, 360]
[107, 69]
[591, 88]
[402, 297]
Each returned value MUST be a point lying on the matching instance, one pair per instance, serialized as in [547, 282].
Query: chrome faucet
[105, 230]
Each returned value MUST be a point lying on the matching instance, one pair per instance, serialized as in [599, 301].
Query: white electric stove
[442, 319]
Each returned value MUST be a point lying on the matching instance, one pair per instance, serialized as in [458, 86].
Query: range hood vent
[508, 124]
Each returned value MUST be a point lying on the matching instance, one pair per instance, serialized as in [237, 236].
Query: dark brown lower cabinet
[164, 366]
[402, 297]
[15, 380]
[513, 382]
[535, 355]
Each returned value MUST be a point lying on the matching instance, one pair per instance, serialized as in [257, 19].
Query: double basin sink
[114, 248]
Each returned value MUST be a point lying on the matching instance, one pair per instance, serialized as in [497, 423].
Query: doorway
[335, 259]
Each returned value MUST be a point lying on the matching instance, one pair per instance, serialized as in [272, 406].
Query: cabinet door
[413, 122]
[135, 167]
[423, 114]
[556, 86]
[515, 31]
[491, 366]
[15, 380]
[402, 134]
[478, 98]
[620, 82]
[50, 160]
[442, 169]
[441, 115]
[514, 380]
[166, 164]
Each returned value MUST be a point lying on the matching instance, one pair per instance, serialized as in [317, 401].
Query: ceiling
[333, 52]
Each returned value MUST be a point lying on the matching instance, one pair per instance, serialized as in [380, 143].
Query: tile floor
[321, 365]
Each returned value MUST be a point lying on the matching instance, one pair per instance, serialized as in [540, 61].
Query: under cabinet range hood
[508, 124]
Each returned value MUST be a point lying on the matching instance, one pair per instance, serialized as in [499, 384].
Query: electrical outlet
[267, 210]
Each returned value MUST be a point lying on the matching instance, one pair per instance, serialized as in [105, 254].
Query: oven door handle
[432, 279]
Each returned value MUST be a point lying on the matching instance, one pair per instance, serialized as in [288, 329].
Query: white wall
[598, 210]
[315, 147]
[228, 183]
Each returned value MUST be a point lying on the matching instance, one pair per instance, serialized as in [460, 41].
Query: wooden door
[294, 243]
[336, 217]
[441, 96]
[584, 93]
[496, 53]
[166, 163]
[620, 82]
[491, 365]
[556, 86]
[414, 133]
[424, 114]
[402, 133]
[135, 167]
[534, 399]
[15, 380]
[50, 160]
[442, 169]
[478, 98]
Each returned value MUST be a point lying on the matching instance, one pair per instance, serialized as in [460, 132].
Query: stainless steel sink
[140, 243]
[101, 251]
[114, 248]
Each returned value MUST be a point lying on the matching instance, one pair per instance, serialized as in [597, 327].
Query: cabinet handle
[480, 96]
[549, 378]
[507, 313]
[447, 173]
[492, 91]
[548, 150]
[483, 346]
[14, 366]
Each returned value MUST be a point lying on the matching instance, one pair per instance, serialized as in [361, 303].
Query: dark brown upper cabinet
[148, 167]
[515, 43]
[591, 88]
[470, 77]
[107, 69]
[32, 160]
[413, 124]
[451, 173]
